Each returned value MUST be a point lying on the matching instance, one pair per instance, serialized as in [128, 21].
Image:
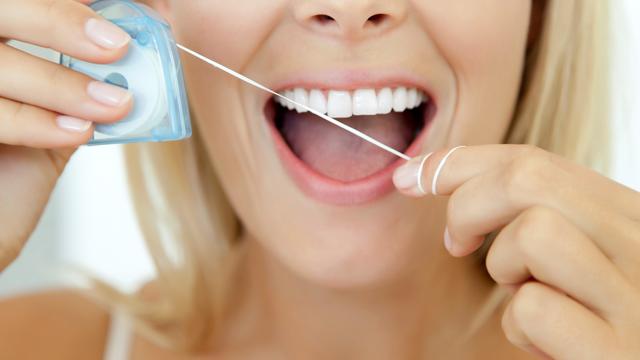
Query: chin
[345, 255]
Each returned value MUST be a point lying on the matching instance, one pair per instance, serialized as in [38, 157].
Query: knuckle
[528, 228]
[52, 11]
[527, 174]
[56, 77]
[530, 149]
[15, 113]
[61, 17]
[528, 303]
[10, 118]
[60, 89]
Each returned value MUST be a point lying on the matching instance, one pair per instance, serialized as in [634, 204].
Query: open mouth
[334, 165]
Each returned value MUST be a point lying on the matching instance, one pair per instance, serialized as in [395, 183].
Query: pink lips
[324, 189]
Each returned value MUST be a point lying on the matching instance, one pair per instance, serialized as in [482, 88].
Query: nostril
[323, 19]
[351, 24]
[377, 19]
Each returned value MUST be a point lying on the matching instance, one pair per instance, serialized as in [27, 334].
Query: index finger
[452, 167]
[468, 162]
[67, 26]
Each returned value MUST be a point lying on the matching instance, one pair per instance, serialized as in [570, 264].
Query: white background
[90, 221]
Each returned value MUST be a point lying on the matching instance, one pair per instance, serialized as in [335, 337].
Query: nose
[350, 19]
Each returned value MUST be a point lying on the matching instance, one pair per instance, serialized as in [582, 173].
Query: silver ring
[440, 166]
[419, 174]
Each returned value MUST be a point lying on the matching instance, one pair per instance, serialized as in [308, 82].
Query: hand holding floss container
[151, 70]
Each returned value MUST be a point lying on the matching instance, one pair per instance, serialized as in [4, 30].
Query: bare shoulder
[62, 324]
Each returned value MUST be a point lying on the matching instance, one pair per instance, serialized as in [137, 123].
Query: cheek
[229, 31]
[484, 41]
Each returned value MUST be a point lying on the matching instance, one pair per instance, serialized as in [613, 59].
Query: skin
[408, 297]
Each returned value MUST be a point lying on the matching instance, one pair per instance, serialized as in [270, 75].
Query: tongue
[343, 156]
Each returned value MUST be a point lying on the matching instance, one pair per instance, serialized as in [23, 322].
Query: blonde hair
[191, 230]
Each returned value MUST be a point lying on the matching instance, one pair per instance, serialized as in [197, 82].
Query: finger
[28, 79]
[471, 161]
[492, 200]
[28, 177]
[557, 325]
[542, 244]
[69, 27]
[27, 125]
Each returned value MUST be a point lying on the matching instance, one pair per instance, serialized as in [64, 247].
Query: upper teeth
[344, 104]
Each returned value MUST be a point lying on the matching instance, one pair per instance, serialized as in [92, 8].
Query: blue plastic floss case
[151, 70]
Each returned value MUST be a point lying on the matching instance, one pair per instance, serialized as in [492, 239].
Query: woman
[277, 235]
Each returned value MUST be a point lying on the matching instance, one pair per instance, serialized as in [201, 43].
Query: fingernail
[105, 34]
[73, 124]
[108, 94]
[448, 243]
[405, 176]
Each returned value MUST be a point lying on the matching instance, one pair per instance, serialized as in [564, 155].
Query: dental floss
[419, 173]
[434, 183]
[303, 106]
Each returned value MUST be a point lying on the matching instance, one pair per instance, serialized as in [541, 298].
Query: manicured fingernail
[108, 94]
[448, 243]
[72, 124]
[105, 34]
[405, 176]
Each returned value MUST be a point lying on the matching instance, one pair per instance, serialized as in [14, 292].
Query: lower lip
[336, 192]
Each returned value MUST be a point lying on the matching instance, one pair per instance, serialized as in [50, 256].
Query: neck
[419, 314]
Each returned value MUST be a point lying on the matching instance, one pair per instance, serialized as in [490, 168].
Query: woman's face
[315, 197]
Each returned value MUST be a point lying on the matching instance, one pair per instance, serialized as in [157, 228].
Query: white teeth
[412, 98]
[400, 99]
[365, 102]
[317, 101]
[420, 99]
[339, 104]
[385, 101]
[289, 94]
[300, 96]
[344, 104]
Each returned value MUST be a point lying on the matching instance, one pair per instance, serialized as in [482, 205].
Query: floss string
[353, 131]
